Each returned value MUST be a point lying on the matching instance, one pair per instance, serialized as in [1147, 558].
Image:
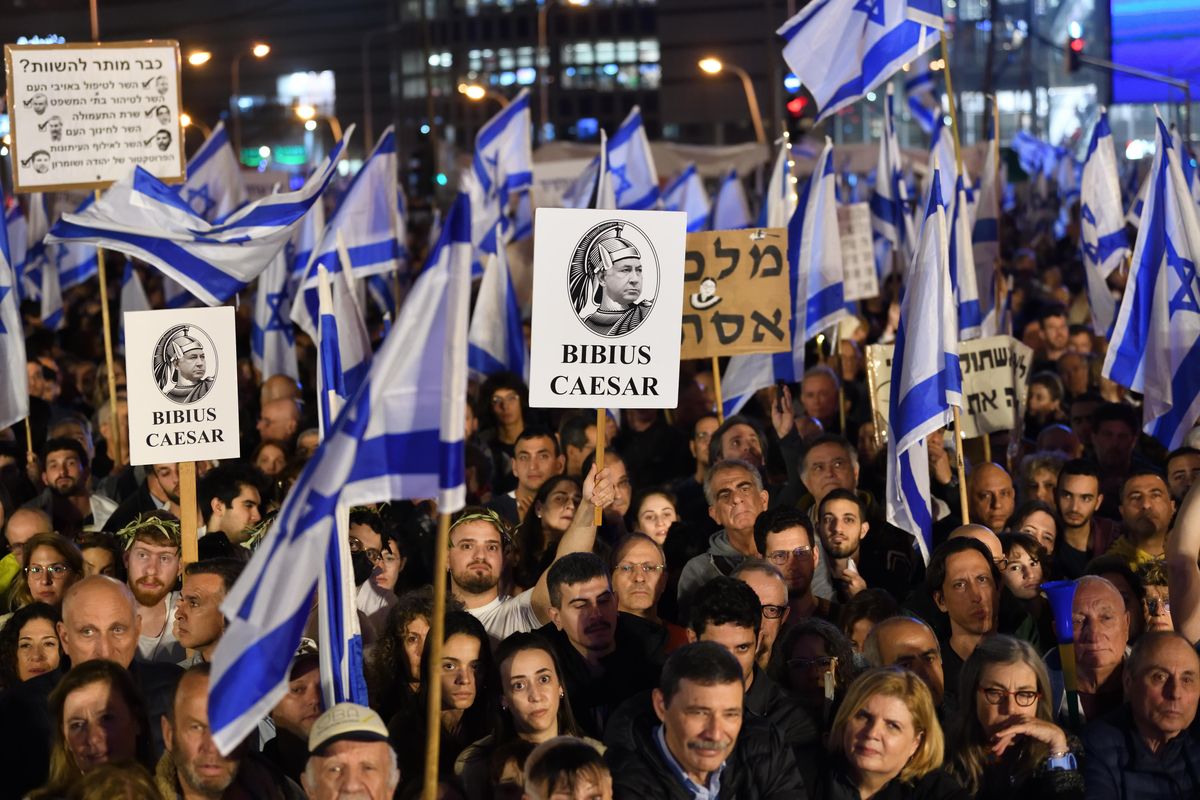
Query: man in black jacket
[701, 742]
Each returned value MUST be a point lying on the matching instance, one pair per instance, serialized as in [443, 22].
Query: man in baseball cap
[349, 754]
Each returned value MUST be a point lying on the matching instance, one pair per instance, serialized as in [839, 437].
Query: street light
[544, 72]
[476, 93]
[259, 50]
[714, 66]
[186, 121]
[308, 114]
[199, 57]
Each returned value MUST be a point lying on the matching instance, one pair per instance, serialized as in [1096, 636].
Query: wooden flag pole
[601, 432]
[716, 371]
[437, 632]
[28, 436]
[189, 547]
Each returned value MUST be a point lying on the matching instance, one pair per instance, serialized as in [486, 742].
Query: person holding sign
[610, 275]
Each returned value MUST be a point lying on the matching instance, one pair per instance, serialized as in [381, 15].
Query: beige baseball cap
[346, 721]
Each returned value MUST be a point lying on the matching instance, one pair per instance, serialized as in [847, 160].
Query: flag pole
[716, 371]
[187, 512]
[996, 276]
[958, 438]
[601, 431]
[437, 632]
[28, 436]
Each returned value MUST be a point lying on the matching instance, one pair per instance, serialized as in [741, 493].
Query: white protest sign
[181, 367]
[858, 251]
[83, 114]
[607, 304]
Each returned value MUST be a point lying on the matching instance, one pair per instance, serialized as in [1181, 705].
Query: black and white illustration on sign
[614, 277]
[185, 364]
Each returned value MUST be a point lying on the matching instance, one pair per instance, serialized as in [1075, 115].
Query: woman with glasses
[639, 577]
[52, 563]
[814, 663]
[1003, 742]
[548, 517]
[1156, 604]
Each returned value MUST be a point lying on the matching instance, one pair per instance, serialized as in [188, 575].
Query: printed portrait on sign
[613, 278]
[39, 103]
[185, 364]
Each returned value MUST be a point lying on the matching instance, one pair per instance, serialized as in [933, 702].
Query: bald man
[1101, 629]
[279, 419]
[990, 496]
[278, 387]
[985, 536]
[22, 526]
[910, 643]
[99, 621]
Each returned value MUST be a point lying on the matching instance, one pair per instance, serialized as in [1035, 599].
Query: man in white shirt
[152, 563]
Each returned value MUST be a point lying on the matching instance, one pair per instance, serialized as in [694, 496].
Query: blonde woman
[886, 743]
[1003, 740]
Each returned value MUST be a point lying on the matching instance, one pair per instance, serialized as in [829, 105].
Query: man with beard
[158, 492]
[1146, 512]
[738, 438]
[193, 768]
[856, 560]
[67, 498]
[152, 564]
[1084, 535]
[476, 561]
[785, 538]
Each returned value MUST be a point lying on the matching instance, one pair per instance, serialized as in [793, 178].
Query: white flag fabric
[631, 170]
[133, 296]
[502, 167]
[985, 235]
[343, 345]
[779, 203]
[730, 209]
[686, 193]
[14, 389]
[1102, 237]
[962, 267]
[1155, 347]
[842, 49]
[144, 218]
[926, 380]
[17, 229]
[496, 342]
[399, 437]
[214, 187]
[890, 220]
[272, 339]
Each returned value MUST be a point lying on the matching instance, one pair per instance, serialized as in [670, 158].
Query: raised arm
[1182, 550]
[580, 537]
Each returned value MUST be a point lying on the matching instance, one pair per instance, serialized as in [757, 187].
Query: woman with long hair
[52, 563]
[813, 662]
[886, 743]
[532, 707]
[1003, 741]
[393, 663]
[548, 517]
[1039, 520]
[29, 644]
[653, 512]
[467, 677]
[99, 718]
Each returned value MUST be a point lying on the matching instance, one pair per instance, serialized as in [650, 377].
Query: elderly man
[910, 643]
[1149, 748]
[771, 587]
[1101, 628]
[990, 496]
[279, 419]
[349, 756]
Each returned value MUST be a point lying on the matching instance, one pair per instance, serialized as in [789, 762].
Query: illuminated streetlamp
[308, 114]
[186, 121]
[714, 66]
[259, 50]
[475, 93]
[199, 57]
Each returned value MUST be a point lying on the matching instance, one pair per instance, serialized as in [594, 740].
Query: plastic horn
[1062, 596]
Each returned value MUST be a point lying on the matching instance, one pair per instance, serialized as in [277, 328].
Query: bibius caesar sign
[181, 376]
[607, 300]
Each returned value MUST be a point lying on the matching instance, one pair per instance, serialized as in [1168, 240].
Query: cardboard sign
[736, 297]
[182, 379]
[607, 287]
[995, 374]
[858, 251]
[83, 114]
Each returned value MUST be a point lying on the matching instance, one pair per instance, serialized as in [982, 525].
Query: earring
[561, 693]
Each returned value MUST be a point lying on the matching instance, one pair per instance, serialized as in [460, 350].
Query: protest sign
[83, 114]
[858, 251]
[736, 297]
[182, 379]
[607, 293]
[995, 375]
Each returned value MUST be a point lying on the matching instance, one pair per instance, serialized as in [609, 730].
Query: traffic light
[796, 106]
[1075, 47]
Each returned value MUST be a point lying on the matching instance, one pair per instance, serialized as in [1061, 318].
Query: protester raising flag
[730, 209]
[926, 380]
[985, 234]
[686, 193]
[14, 393]
[631, 171]
[214, 186]
[272, 340]
[842, 50]
[496, 342]
[1155, 347]
[399, 437]
[144, 218]
[1101, 224]
[890, 220]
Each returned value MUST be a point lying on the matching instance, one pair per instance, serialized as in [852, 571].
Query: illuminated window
[608, 64]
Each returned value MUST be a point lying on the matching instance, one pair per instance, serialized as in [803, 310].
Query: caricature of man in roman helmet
[606, 270]
[180, 364]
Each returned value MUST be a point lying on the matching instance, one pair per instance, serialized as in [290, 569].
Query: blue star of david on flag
[623, 185]
[873, 9]
[4, 290]
[201, 201]
[1185, 297]
[276, 302]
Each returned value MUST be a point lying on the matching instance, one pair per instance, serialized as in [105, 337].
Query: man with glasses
[785, 538]
[769, 585]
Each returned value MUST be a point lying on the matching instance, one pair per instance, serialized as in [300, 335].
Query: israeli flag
[133, 296]
[923, 102]
[142, 217]
[686, 193]
[1155, 346]
[501, 169]
[17, 229]
[779, 203]
[214, 187]
[941, 150]
[926, 380]
[842, 49]
[400, 436]
[985, 234]
[496, 341]
[582, 190]
[272, 339]
[368, 221]
[36, 227]
[631, 169]
[962, 267]
[14, 389]
[75, 262]
[890, 220]
[730, 209]
[1102, 225]
[51, 296]
[343, 345]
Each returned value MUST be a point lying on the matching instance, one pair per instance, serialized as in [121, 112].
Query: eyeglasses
[824, 663]
[1154, 606]
[373, 555]
[504, 399]
[770, 611]
[781, 556]
[55, 571]
[1023, 698]
[647, 569]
